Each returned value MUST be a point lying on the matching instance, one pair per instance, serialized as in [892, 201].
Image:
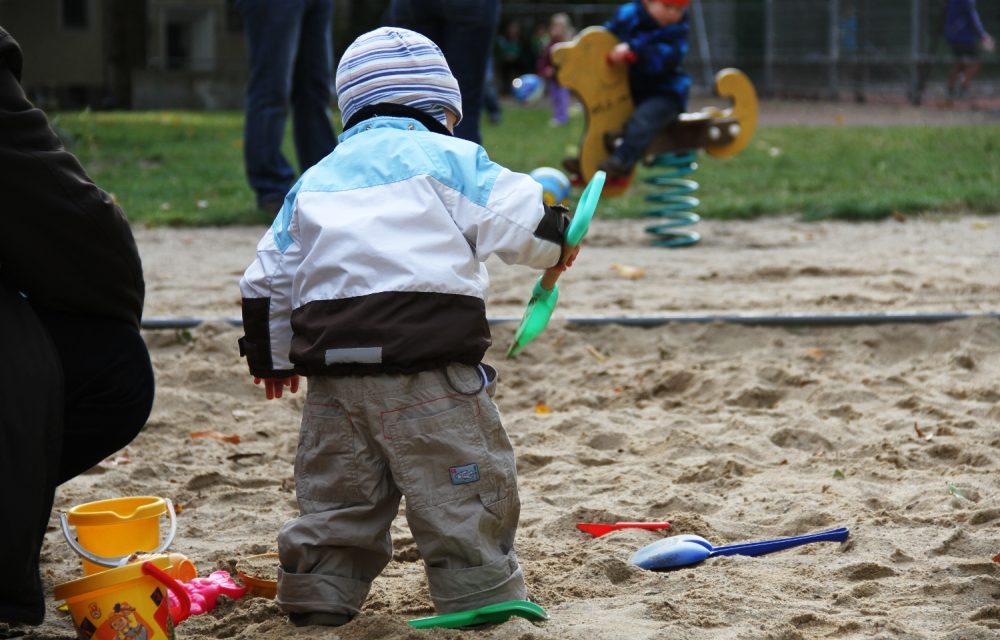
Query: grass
[181, 168]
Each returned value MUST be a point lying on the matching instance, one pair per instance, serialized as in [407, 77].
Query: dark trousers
[463, 30]
[73, 389]
[650, 116]
[291, 61]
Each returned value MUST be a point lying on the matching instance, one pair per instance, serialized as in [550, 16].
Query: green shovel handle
[585, 209]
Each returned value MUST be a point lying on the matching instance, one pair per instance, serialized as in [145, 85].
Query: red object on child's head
[676, 3]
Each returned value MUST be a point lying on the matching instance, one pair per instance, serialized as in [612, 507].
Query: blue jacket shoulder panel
[385, 150]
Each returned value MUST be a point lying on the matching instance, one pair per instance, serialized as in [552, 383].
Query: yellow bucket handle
[119, 561]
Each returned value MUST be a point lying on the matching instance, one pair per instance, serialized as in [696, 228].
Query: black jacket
[64, 243]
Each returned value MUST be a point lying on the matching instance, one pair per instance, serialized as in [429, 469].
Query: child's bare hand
[569, 255]
[274, 387]
[620, 54]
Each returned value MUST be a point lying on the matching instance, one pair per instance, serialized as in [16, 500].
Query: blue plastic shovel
[688, 549]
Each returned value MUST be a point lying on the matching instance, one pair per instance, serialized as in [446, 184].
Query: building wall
[56, 55]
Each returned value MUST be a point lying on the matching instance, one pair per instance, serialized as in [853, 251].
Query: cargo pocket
[325, 466]
[440, 452]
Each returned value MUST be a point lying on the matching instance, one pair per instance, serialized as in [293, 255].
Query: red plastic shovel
[598, 529]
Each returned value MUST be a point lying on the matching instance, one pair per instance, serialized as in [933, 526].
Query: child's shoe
[318, 619]
[615, 168]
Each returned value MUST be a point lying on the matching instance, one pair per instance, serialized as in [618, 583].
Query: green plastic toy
[545, 294]
[490, 614]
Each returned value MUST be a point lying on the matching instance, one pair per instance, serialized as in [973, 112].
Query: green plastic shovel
[545, 294]
[490, 614]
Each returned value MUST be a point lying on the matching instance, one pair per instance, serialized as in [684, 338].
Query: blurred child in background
[653, 36]
[560, 30]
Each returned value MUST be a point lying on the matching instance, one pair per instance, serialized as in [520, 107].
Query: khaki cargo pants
[364, 442]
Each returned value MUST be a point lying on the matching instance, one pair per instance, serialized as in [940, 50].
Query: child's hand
[568, 256]
[569, 253]
[273, 387]
[621, 54]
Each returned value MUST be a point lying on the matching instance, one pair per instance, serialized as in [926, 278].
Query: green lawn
[187, 168]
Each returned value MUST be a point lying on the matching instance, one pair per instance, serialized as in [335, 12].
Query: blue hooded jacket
[660, 51]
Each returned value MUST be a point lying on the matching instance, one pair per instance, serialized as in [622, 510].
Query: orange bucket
[127, 602]
[108, 532]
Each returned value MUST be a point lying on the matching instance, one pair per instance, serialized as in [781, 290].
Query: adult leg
[272, 34]
[971, 69]
[312, 130]
[340, 542]
[466, 45]
[31, 415]
[957, 70]
[109, 387]
[464, 30]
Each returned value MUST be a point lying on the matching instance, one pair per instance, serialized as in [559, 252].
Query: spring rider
[603, 90]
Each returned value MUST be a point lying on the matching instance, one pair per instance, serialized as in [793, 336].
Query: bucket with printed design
[127, 602]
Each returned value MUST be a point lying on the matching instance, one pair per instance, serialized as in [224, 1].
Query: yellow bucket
[109, 531]
[127, 602]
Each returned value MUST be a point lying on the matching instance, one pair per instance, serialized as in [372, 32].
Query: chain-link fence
[866, 49]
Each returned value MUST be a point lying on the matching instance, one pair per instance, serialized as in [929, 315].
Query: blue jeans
[464, 30]
[650, 116]
[291, 61]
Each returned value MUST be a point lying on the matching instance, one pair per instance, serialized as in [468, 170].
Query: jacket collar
[397, 111]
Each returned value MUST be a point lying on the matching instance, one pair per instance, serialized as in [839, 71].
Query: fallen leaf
[628, 271]
[542, 409]
[920, 434]
[215, 435]
[815, 354]
[996, 558]
[838, 474]
[898, 216]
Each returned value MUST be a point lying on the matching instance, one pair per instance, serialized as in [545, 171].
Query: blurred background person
[560, 30]
[464, 31]
[513, 55]
[965, 35]
[290, 49]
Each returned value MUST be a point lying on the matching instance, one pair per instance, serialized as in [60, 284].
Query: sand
[731, 432]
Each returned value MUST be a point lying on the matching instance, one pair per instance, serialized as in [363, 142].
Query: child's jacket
[375, 262]
[659, 51]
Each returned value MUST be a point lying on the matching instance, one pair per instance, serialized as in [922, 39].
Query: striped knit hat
[398, 66]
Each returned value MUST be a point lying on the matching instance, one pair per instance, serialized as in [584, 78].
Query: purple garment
[962, 24]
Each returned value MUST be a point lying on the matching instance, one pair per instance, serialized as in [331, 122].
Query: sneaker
[611, 140]
[615, 168]
[318, 619]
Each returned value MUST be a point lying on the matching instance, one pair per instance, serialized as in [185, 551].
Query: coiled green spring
[675, 203]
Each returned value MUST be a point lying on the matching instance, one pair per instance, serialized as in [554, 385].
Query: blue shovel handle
[779, 544]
